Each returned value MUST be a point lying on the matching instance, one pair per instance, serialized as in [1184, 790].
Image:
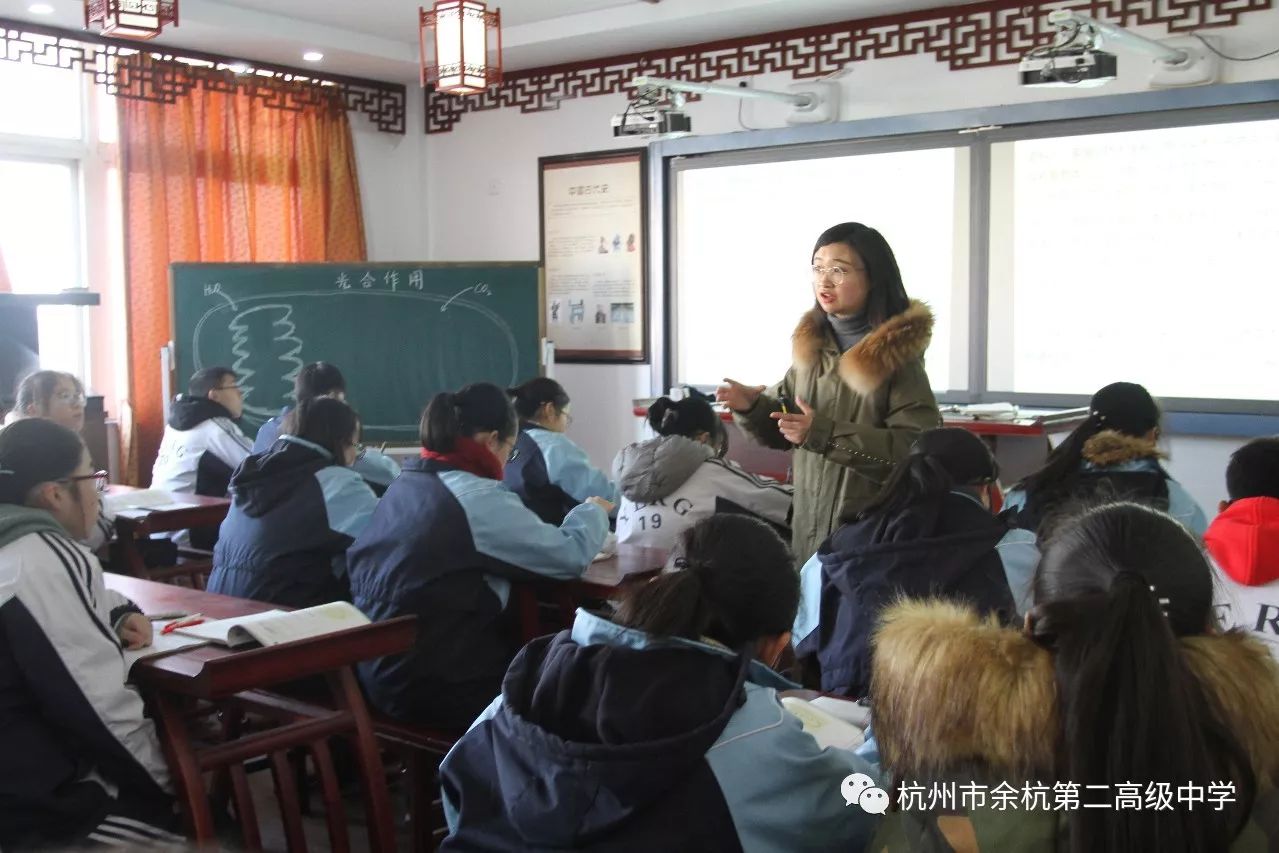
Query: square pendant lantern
[466, 40]
[133, 19]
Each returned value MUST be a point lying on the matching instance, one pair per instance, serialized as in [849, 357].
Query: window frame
[981, 128]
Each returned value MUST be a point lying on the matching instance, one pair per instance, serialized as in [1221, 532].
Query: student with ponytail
[444, 544]
[295, 509]
[79, 762]
[929, 533]
[671, 482]
[1118, 677]
[1113, 455]
[549, 472]
[660, 729]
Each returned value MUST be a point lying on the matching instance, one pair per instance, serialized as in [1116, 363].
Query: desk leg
[177, 746]
[346, 692]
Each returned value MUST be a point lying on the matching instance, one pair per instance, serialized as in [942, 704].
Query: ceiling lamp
[461, 35]
[133, 19]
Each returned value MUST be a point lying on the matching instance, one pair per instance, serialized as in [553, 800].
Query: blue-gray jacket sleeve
[1186, 509]
[782, 789]
[1019, 553]
[568, 467]
[509, 532]
[348, 500]
[809, 615]
[267, 434]
[376, 467]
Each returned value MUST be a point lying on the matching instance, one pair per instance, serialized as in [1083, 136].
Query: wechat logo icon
[860, 789]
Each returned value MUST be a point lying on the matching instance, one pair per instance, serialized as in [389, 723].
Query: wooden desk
[199, 511]
[606, 579]
[235, 680]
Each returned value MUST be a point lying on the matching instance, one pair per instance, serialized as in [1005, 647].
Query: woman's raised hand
[737, 396]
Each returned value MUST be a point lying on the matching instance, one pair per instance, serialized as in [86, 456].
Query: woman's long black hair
[1116, 589]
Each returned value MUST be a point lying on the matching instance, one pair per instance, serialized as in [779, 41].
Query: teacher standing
[856, 395]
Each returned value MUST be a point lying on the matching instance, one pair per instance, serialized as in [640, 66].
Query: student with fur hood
[931, 533]
[671, 482]
[1117, 684]
[1111, 456]
[856, 396]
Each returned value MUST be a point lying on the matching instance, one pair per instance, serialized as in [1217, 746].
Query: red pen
[187, 622]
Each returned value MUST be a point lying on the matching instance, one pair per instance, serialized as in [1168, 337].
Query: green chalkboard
[400, 332]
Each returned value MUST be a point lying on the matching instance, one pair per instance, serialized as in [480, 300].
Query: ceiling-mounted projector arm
[646, 82]
[1120, 36]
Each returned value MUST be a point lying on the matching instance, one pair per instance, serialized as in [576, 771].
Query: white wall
[481, 199]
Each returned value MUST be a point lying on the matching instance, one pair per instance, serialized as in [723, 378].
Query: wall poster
[594, 209]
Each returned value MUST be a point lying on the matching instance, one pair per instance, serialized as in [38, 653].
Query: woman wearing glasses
[549, 472]
[79, 761]
[59, 397]
[856, 396]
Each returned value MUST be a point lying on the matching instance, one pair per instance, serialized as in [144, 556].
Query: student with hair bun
[660, 729]
[295, 509]
[549, 472]
[79, 761]
[444, 544]
[929, 534]
[671, 482]
[1113, 455]
[1118, 677]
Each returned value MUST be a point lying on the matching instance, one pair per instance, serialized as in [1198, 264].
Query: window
[40, 101]
[1142, 254]
[744, 243]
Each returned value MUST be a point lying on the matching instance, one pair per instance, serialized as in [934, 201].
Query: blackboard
[400, 332]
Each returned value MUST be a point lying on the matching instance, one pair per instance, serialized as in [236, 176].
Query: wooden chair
[422, 750]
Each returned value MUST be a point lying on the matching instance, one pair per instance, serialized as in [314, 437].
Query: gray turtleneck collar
[848, 330]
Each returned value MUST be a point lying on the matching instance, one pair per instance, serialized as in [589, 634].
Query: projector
[663, 121]
[1072, 66]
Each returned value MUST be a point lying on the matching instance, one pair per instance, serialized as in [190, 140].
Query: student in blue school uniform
[660, 729]
[444, 544]
[80, 764]
[1113, 455]
[322, 379]
[547, 470]
[295, 509]
[929, 534]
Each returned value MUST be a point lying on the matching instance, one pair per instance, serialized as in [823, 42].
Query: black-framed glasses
[99, 478]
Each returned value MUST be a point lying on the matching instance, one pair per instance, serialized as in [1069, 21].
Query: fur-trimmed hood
[952, 689]
[1110, 447]
[898, 340]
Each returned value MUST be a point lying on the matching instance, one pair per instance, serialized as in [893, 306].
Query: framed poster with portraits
[594, 249]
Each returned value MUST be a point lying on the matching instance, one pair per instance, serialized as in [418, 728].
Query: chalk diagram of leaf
[421, 341]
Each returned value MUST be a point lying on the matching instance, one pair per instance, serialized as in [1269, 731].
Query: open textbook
[826, 729]
[278, 626]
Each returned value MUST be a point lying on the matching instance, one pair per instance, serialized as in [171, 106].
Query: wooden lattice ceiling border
[979, 35]
[153, 72]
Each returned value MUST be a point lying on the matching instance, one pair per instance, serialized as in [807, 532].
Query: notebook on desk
[273, 627]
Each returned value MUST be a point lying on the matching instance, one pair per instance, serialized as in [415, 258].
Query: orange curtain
[220, 177]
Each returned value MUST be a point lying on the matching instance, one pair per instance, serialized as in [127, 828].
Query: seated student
[671, 482]
[547, 470]
[202, 445]
[1117, 678]
[443, 544]
[929, 533]
[59, 397]
[1243, 541]
[1110, 456]
[321, 379]
[79, 763]
[295, 510]
[659, 730]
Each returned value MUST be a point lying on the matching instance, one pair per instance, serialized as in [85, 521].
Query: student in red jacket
[1244, 542]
